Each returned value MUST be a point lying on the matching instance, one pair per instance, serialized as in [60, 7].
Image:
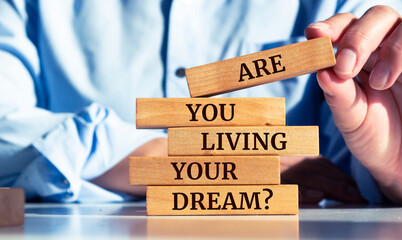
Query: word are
[244, 140]
[218, 201]
[195, 170]
[210, 112]
[261, 65]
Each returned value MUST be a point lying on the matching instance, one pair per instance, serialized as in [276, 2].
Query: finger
[326, 168]
[310, 196]
[331, 189]
[369, 65]
[348, 194]
[318, 181]
[389, 65]
[362, 38]
[346, 99]
[334, 27]
[289, 161]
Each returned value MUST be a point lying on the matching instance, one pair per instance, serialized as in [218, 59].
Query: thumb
[346, 99]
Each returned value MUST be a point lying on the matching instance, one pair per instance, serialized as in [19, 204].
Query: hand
[116, 178]
[318, 179]
[364, 90]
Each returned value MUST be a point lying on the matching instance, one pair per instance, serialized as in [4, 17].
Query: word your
[218, 201]
[261, 64]
[210, 112]
[228, 169]
[244, 139]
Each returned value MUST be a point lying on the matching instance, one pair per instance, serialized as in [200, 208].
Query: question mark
[269, 196]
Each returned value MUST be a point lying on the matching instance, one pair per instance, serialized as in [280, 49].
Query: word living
[261, 65]
[218, 201]
[210, 112]
[245, 140]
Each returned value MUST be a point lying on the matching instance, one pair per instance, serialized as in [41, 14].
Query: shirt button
[180, 72]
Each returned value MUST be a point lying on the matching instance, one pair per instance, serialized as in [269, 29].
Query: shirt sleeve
[52, 156]
[80, 148]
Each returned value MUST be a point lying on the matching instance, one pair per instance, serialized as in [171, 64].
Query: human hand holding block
[364, 90]
[261, 67]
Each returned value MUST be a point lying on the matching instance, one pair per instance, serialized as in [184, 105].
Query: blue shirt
[70, 72]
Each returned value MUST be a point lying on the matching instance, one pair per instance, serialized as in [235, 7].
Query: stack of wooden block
[223, 153]
[221, 156]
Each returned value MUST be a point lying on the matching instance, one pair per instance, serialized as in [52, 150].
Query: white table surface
[129, 221]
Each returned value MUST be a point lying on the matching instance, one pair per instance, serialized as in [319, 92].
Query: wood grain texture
[294, 60]
[216, 170]
[222, 200]
[269, 140]
[229, 228]
[181, 112]
[12, 208]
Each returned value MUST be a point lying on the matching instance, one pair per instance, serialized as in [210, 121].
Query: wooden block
[12, 208]
[181, 112]
[222, 200]
[222, 170]
[261, 67]
[268, 140]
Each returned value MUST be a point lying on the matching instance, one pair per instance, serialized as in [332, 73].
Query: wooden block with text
[222, 200]
[268, 140]
[204, 170]
[12, 208]
[181, 112]
[261, 67]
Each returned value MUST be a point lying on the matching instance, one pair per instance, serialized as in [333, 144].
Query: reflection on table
[129, 221]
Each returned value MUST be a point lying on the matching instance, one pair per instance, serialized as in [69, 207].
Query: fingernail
[324, 88]
[319, 25]
[345, 62]
[379, 76]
